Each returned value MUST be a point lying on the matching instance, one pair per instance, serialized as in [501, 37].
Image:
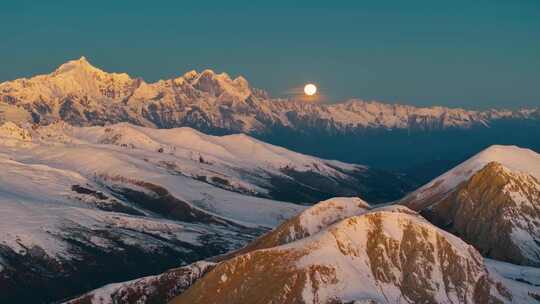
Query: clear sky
[469, 53]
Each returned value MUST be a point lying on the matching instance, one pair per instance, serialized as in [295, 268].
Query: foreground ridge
[344, 251]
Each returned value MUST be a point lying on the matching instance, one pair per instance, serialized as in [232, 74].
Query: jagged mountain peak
[83, 94]
[81, 67]
[218, 83]
[491, 200]
[383, 255]
[81, 63]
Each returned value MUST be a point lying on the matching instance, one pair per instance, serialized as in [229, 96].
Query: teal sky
[473, 53]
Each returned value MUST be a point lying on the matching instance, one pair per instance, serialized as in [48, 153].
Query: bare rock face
[496, 210]
[382, 256]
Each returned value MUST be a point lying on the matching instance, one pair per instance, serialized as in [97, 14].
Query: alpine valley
[189, 190]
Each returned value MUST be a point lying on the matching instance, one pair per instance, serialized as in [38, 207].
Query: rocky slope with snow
[75, 202]
[492, 201]
[306, 223]
[382, 256]
[341, 251]
[152, 289]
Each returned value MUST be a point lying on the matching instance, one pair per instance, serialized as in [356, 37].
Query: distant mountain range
[83, 95]
[427, 138]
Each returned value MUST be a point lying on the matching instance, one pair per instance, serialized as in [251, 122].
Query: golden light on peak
[310, 89]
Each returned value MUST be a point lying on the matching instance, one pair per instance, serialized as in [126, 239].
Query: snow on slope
[327, 212]
[351, 253]
[381, 256]
[39, 204]
[59, 242]
[512, 157]
[306, 223]
[152, 289]
[237, 150]
[70, 209]
[491, 201]
[73, 194]
[234, 162]
[523, 281]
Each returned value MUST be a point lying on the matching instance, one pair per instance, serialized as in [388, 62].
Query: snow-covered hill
[82, 94]
[237, 162]
[76, 202]
[492, 201]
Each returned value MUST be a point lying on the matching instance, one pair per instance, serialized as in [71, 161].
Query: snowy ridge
[81, 94]
[233, 150]
[381, 256]
[234, 162]
[512, 157]
[306, 223]
[327, 212]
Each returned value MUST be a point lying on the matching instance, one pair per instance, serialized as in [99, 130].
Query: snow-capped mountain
[82, 94]
[492, 201]
[340, 251]
[76, 202]
[381, 256]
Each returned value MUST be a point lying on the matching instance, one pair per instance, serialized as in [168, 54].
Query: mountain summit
[491, 201]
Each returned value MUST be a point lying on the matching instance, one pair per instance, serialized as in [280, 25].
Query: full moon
[310, 89]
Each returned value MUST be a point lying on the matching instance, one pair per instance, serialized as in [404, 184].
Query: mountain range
[201, 189]
[83, 95]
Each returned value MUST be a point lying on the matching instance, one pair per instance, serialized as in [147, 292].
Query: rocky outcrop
[153, 289]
